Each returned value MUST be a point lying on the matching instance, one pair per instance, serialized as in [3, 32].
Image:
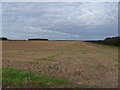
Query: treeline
[38, 39]
[33, 39]
[108, 41]
[115, 41]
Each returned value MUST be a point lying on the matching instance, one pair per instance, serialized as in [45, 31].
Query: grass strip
[16, 78]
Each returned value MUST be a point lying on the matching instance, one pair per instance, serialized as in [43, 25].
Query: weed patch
[50, 58]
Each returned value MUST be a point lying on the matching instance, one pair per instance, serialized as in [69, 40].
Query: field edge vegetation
[17, 78]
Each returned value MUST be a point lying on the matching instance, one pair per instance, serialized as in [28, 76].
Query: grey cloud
[60, 20]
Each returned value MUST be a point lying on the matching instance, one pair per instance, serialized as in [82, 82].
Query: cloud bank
[78, 20]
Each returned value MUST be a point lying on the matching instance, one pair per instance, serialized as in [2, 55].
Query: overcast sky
[65, 20]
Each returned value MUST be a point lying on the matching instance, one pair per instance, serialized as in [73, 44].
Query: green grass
[50, 58]
[17, 78]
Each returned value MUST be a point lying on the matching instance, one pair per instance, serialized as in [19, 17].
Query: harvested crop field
[75, 63]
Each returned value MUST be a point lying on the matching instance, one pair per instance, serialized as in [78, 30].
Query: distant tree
[3, 38]
[112, 41]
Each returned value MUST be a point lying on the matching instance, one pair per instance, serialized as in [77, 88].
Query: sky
[60, 20]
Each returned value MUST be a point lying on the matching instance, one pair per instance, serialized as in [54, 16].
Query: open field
[59, 64]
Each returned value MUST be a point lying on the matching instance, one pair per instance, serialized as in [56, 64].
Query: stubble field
[61, 64]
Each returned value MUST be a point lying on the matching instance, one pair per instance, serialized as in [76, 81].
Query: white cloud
[48, 33]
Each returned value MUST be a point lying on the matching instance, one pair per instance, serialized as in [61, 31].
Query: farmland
[59, 64]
